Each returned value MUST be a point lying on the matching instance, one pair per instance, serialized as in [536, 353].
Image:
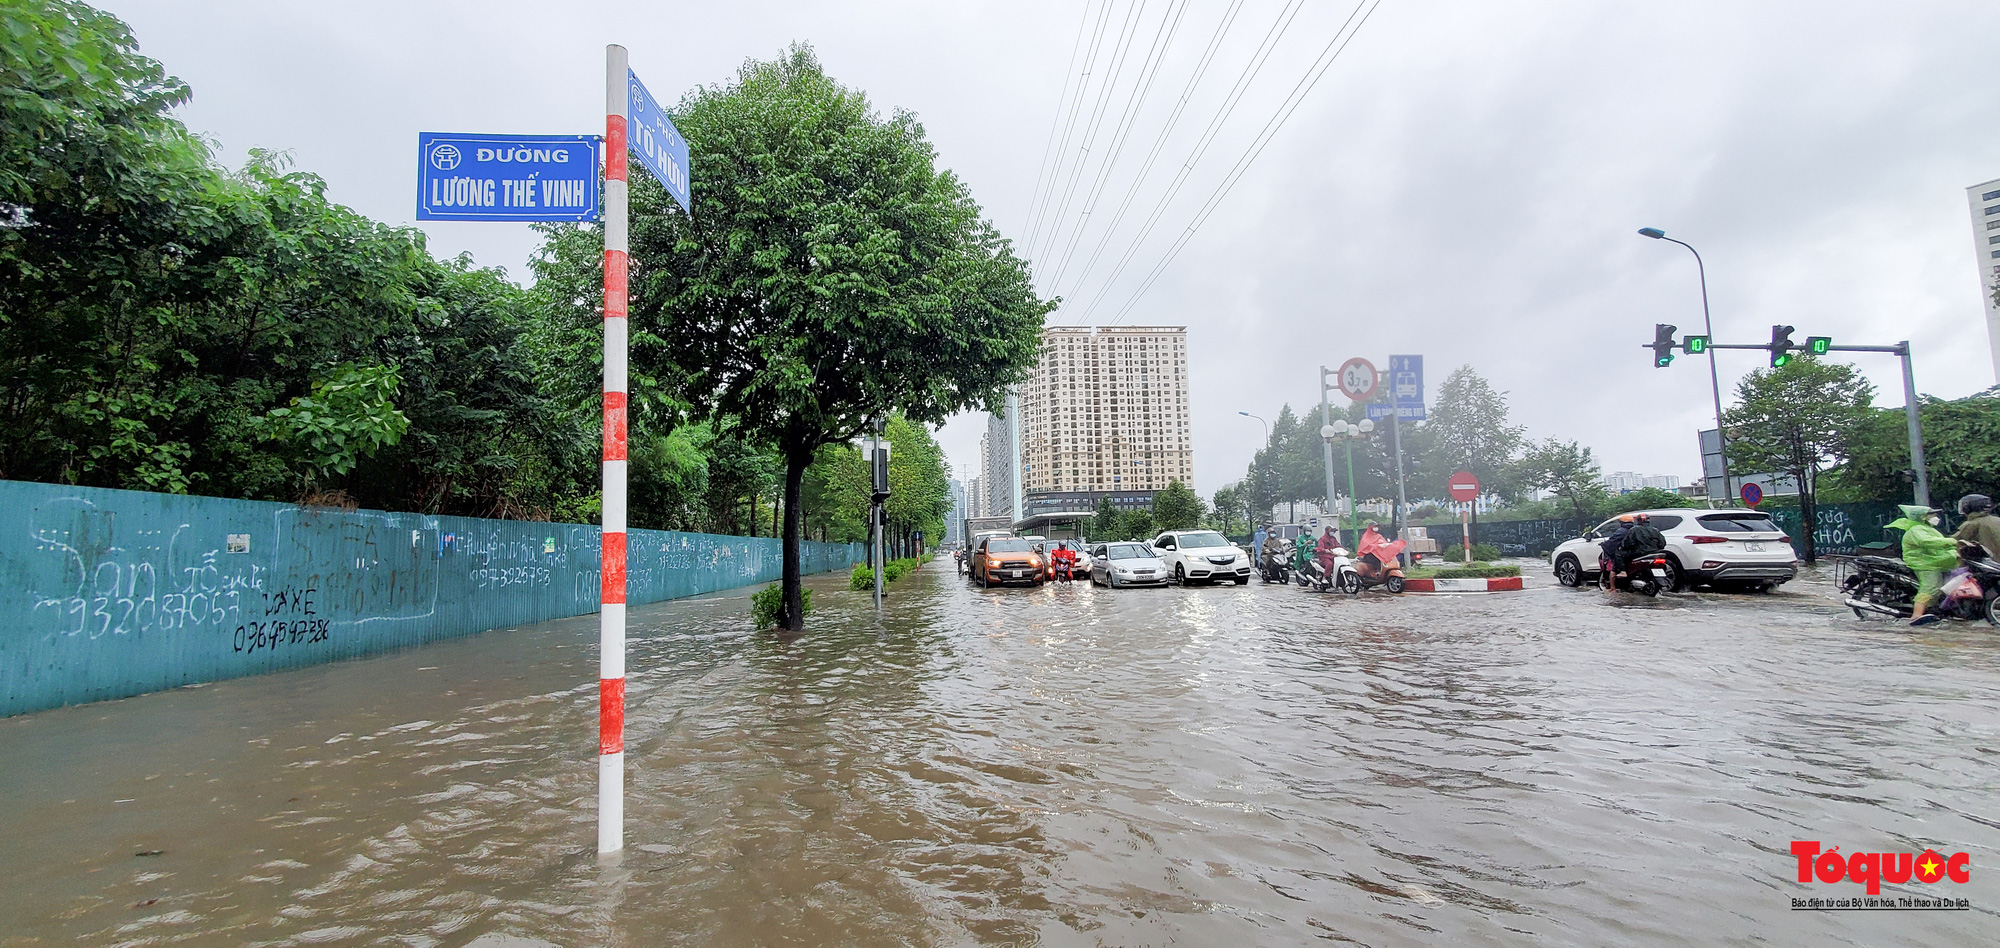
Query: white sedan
[1202, 556]
[1126, 564]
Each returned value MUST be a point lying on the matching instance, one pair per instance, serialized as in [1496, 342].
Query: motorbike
[1352, 580]
[1274, 568]
[1886, 586]
[1309, 573]
[1647, 574]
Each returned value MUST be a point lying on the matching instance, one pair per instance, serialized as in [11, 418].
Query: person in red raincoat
[1324, 553]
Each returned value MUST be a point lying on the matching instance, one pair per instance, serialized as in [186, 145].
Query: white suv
[1740, 548]
[1202, 556]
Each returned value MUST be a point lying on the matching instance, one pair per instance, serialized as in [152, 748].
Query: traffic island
[1468, 577]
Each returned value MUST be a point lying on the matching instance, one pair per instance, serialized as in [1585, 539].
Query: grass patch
[1463, 571]
[765, 603]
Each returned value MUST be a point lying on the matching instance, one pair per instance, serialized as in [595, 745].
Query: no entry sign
[1463, 486]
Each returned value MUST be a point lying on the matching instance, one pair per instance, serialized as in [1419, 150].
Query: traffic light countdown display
[1663, 345]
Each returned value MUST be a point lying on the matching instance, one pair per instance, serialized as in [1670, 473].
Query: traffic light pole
[1326, 418]
[1922, 486]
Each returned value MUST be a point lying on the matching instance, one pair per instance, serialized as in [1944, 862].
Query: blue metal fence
[108, 593]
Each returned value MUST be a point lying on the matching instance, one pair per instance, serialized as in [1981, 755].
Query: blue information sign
[659, 145]
[506, 177]
[1404, 385]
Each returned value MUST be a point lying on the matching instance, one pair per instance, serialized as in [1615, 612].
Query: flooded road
[1064, 766]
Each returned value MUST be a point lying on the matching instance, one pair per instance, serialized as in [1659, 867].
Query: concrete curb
[1488, 584]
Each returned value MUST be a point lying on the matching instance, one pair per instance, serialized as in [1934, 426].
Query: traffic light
[1782, 346]
[1694, 345]
[1819, 345]
[1663, 345]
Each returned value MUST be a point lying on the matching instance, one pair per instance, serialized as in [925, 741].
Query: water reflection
[1065, 765]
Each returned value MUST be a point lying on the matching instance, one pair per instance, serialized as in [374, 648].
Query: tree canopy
[1798, 419]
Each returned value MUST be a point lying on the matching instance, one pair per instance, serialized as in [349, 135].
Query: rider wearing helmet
[1610, 561]
[1980, 525]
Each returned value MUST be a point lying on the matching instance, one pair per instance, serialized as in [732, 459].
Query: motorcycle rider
[1275, 549]
[1324, 551]
[1641, 540]
[1927, 552]
[1980, 525]
[1367, 563]
[1609, 565]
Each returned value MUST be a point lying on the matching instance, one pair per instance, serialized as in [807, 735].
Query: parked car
[1046, 550]
[1126, 564]
[1721, 548]
[1003, 559]
[1202, 556]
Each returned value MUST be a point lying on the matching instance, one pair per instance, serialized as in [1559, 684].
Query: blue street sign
[1407, 412]
[1406, 386]
[506, 177]
[659, 145]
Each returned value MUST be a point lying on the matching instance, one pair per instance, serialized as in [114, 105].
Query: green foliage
[1232, 510]
[1467, 430]
[349, 415]
[1798, 419]
[1568, 470]
[830, 275]
[1137, 525]
[862, 577]
[1106, 524]
[1177, 507]
[1645, 498]
[1482, 552]
[1961, 451]
[766, 603]
[1473, 570]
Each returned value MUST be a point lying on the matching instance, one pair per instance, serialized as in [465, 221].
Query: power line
[1040, 210]
[1271, 127]
[1120, 47]
[1163, 39]
[1041, 168]
[1160, 141]
[1258, 58]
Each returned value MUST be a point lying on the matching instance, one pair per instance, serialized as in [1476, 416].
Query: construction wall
[108, 593]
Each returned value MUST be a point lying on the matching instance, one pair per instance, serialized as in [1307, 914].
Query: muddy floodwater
[1062, 766]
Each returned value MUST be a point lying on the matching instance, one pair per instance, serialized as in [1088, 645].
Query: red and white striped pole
[611, 614]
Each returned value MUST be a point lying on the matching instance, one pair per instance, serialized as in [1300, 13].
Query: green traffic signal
[1663, 345]
[1819, 345]
[1782, 346]
[1694, 345]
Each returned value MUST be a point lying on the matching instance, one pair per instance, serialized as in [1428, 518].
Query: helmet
[1972, 502]
[1624, 518]
[1642, 518]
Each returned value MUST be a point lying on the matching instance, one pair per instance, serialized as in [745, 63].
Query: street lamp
[1347, 433]
[1714, 383]
[1267, 444]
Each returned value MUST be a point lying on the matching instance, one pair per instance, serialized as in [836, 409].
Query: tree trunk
[794, 615]
[774, 519]
[1808, 516]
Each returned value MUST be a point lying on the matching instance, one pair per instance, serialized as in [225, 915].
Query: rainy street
[1063, 766]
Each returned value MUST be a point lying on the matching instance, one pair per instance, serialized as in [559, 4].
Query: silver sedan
[1126, 564]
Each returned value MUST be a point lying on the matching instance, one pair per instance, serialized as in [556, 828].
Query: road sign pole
[1326, 418]
[611, 607]
[1396, 435]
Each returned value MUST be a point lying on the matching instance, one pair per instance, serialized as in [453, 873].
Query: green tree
[1961, 450]
[1231, 507]
[1105, 525]
[1138, 525]
[830, 274]
[1798, 419]
[349, 415]
[1566, 469]
[919, 484]
[1648, 498]
[1177, 507]
[1467, 430]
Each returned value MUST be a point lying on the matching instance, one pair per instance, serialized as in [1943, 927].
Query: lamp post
[1267, 445]
[1347, 433]
[1714, 382]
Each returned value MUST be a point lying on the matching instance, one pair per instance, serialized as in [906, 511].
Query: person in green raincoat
[1302, 551]
[1929, 553]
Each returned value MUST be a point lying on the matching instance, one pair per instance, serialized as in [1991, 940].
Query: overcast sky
[1464, 182]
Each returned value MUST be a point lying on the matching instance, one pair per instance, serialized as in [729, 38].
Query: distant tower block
[1985, 202]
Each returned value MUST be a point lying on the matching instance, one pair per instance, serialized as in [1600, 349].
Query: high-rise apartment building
[1105, 414]
[997, 467]
[1985, 201]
